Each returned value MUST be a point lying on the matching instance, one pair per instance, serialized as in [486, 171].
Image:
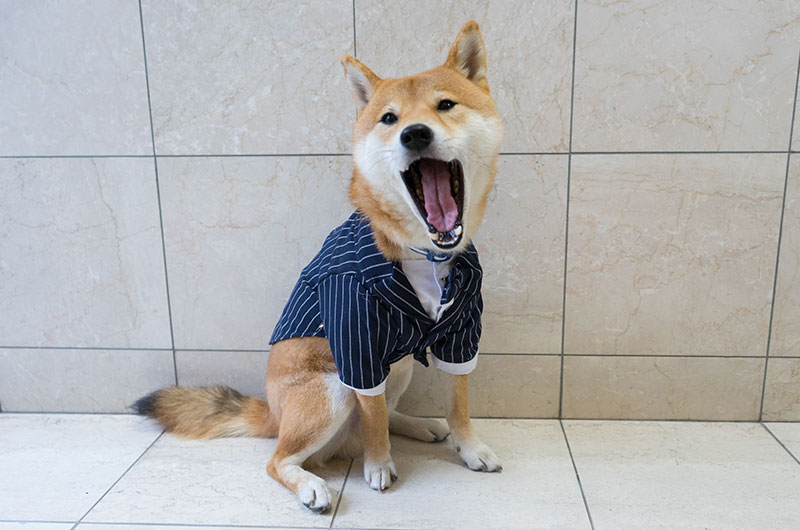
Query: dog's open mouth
[437, 188]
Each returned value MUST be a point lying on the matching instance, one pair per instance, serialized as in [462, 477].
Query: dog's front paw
[314, 494]
[478, 456]
[380, 474]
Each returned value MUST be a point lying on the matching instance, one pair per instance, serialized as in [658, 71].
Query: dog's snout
[416, 137]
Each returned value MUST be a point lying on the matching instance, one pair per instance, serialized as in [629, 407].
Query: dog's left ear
[468, 55]
[362, 81]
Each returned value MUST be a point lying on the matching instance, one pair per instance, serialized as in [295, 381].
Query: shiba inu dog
[398, 281]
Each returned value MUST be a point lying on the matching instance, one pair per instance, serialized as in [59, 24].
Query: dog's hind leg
[310, 420]
[424, 429]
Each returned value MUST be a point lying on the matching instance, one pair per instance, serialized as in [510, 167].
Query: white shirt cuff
[455, 368]
[374, 391]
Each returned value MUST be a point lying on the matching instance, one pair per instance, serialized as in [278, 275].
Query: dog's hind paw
[315, 495]
[478, 456]
[423, 429]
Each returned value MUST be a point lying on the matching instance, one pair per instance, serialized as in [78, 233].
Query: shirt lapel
[397, 292]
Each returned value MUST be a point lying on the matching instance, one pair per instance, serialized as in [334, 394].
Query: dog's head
[425, 149]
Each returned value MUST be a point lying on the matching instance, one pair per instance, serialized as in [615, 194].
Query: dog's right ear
[362, 81]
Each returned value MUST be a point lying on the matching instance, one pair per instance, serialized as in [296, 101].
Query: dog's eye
[389, 118]
[445, 105]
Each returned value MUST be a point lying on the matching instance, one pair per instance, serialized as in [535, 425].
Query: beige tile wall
[166, 168]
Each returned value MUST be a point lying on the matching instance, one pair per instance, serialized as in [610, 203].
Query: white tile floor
[97, 472]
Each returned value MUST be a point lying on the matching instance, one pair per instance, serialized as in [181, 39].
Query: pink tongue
[439, 202]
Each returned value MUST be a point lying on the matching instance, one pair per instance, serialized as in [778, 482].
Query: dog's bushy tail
[208, 412]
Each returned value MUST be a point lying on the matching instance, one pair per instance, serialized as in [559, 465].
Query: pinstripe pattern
[367, 309]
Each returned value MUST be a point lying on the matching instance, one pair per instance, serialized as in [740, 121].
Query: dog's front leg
[476, 454]
[379, 469]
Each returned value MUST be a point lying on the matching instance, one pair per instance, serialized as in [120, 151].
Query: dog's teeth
[457, 231]
[434, 236]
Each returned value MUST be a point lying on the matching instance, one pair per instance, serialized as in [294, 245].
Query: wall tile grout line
[487, 353]
[780, 239]
[341, 490]
[116, 348]
[119, 478]
[780, 442]
[502, 153]
[577, 475]
[355, 45]
[752, 152]
[514, 418]
[566, 213]
[158, 195]
[73, 156]
[74, 413]
[254, 155]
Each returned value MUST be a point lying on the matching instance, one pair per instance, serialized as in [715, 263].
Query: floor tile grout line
[780, 442]
[203, 525]
[103, 496]
[158, 195]
[780, 239]
[311, 155]
[35, 521]
[177, 525]
[577, 475]
[344, 483]
[566, 213]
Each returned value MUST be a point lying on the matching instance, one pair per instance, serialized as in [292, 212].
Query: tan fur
[313, 415]
[374, 426]
[211, 412]
[458, 411]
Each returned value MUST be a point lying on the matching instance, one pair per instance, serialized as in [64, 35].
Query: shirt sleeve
[457, 351]
[357, 325]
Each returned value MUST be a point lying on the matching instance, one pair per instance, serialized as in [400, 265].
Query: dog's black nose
[416, 137]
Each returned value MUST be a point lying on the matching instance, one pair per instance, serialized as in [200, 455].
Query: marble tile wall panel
[80, 380]
[782, 391]
[249, 77]
[72, 79]
[785, 338]
[662, 388]
[521, 247]
[676, 75]
[80, 254]
[238, 232]
[517, 386]
[672, 254]
[242, 370]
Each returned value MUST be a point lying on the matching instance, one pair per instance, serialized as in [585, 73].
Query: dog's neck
[387, 224]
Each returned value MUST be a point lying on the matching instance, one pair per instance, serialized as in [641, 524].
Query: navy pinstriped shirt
[367, 309]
